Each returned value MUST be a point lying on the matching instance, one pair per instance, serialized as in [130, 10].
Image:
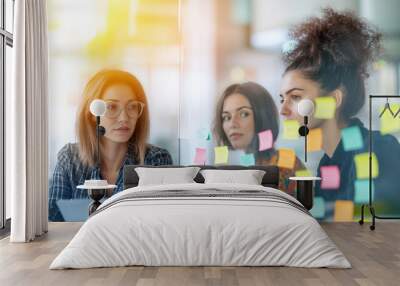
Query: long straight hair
[265, 116]
[86, 122]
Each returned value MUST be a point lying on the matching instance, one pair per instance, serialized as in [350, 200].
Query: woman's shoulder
[68, 154]
[157, 156]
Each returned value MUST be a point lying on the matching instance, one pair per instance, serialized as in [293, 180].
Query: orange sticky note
[314, 140]
[221, 155]
[200, 157]
[287, 158]
[344, 211]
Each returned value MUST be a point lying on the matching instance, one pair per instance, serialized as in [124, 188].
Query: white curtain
[28, 122]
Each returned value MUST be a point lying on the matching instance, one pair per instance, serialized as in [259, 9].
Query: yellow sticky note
[362, 165]
[221, 155]
[325, 107]
[344, 211]
[388, 123]
[303, 173]
[287, 158]
[291, 129]
[314, 140]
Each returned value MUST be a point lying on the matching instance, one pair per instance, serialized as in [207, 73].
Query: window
[6, 44]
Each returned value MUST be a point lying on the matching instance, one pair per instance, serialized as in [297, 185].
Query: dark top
[387, 151]
[70, 172]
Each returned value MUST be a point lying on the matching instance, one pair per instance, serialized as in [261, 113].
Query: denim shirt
[70, 172]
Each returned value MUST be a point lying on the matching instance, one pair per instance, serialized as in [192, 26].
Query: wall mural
[217, 94]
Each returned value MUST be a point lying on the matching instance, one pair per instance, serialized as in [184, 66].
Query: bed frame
[270, 179]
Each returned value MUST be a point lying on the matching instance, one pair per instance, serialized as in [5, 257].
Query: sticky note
[247, 160]
[330, 176]
[388, 124]
[362, 165]
[314, 140]
[221, 155]
[303, 173]
[200, 157]
[266, 140]
[352, 138]
[361, 191]
[204, 134]
[325, 107]
[318, 209]
[344, 211]
[234, 156]
[291, 129]
[287, 158]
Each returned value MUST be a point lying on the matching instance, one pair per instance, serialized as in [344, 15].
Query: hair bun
[339, 39]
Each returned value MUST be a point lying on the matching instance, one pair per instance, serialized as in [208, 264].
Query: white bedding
[184, 231]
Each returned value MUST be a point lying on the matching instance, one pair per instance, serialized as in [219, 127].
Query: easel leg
[361, 221]
[372, 211]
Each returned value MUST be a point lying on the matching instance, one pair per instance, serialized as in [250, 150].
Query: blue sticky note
[318, 210]
[361, 191]
[247, 160]
[204, 134]
[352, 139]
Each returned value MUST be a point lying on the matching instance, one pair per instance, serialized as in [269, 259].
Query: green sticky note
[362, 165]
[221, 155]
[204, 134]
[352, 138]
[247, 160]
[318, 209]
[389, 124]
[361, 191]
[303, 173]
[325, 107]
[291, 129]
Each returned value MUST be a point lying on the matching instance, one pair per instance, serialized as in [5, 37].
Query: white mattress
[192, 231]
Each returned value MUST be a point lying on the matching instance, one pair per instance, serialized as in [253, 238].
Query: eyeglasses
[133, 109]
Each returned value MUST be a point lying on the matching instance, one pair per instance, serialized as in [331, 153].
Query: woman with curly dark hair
[330, 59]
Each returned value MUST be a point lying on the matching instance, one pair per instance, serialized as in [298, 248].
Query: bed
[201, 224]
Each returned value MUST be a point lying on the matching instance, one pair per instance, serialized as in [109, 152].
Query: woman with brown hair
[126, 123]
[330, 60]
[243, 111]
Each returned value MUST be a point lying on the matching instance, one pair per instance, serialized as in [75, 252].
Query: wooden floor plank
[375, 257]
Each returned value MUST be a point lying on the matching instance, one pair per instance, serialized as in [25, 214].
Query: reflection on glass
[7, 96]
[9, 15]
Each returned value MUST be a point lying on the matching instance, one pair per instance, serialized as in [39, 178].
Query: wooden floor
[374, 255]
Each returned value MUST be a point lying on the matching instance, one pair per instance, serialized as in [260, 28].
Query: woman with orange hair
[126, 123]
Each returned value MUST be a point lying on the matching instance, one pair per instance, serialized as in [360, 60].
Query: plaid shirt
[70, 172]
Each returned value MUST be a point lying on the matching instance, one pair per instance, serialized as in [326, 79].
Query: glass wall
[187, 52]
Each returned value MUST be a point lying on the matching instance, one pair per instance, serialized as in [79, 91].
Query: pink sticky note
[330, 177]
[265, 139]
[200, 157]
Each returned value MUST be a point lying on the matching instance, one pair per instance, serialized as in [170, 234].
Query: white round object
[305, 178]
[96, 184]
[305, 107]
[98, 107]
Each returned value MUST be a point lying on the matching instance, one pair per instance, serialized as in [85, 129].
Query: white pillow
[163, 176]
[248, 177]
